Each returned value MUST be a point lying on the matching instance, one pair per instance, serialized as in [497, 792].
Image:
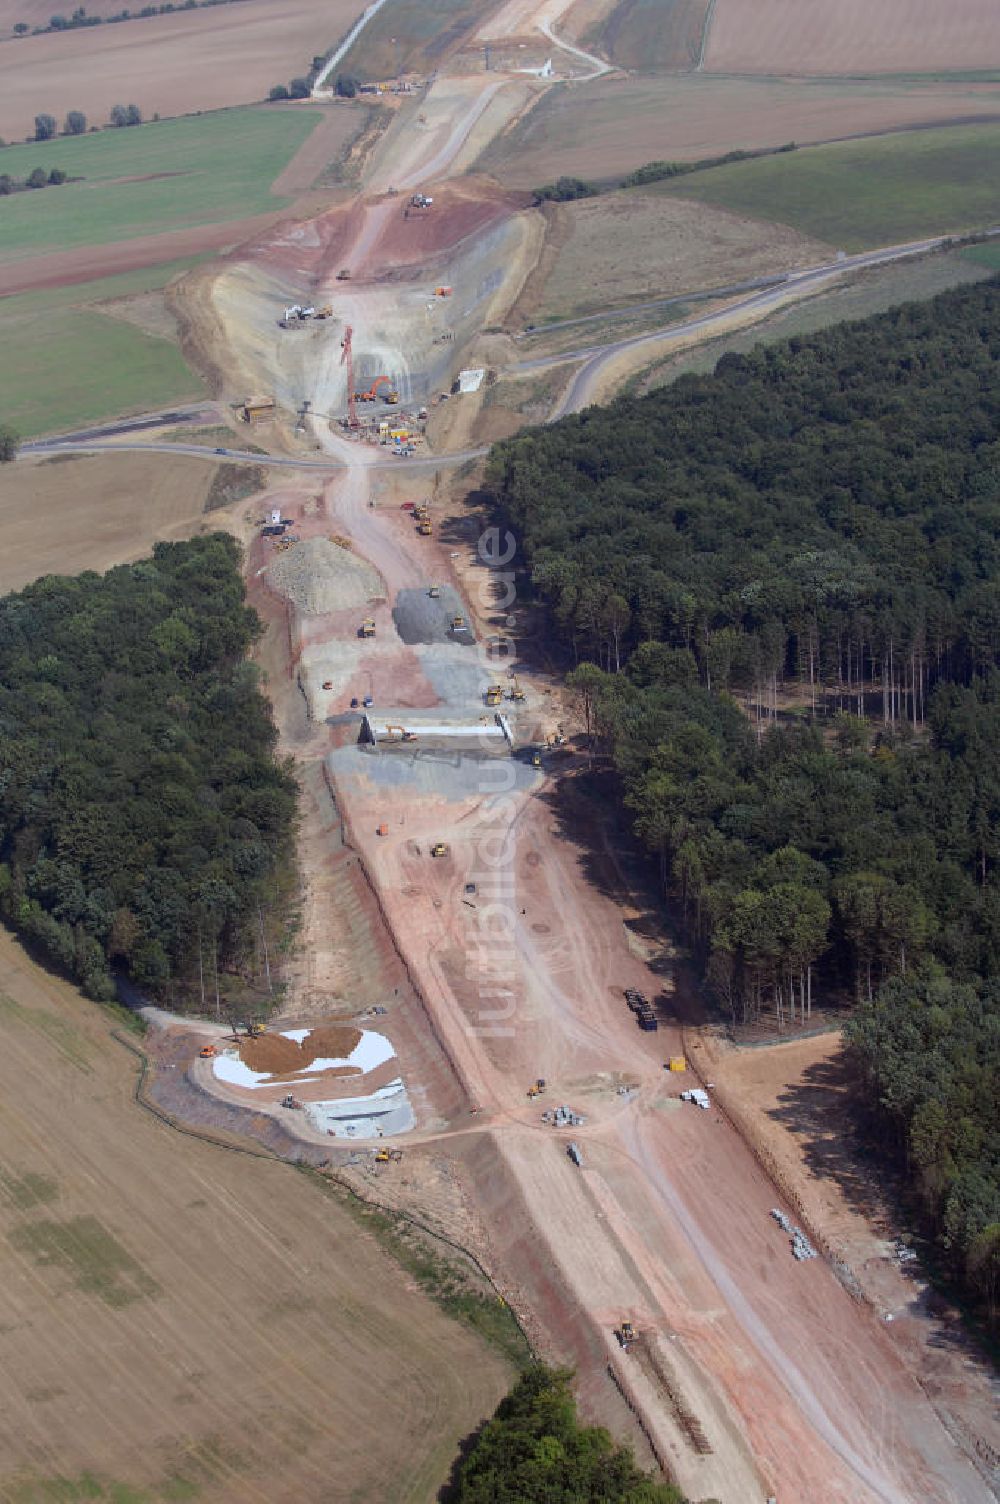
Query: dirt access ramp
[176, 1316]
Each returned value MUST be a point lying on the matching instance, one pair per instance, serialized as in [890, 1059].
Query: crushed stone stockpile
[318, 576]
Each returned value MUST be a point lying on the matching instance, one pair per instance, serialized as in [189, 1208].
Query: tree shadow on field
[588, 815]
[449, 1490]
[820, 1110]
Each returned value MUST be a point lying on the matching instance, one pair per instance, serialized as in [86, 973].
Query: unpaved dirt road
[795, 1389]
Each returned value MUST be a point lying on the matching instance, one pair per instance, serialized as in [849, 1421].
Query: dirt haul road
[755, 1374]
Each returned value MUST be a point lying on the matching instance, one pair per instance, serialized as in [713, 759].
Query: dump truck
[208, 1051]
[439, 849]
[434, 591]
[424, 527]
[326, 312]
[516, 693]
[367, 628]
[494, 694]
[344, 275]
[383, 1156]
[536, 759]
[457, 623]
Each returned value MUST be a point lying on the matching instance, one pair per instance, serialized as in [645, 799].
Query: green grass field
[141, 180]
[67, 364]
[857, 194]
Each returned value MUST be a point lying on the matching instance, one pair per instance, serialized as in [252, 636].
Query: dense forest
[534, 1451]
[144, 822]
[779, 584]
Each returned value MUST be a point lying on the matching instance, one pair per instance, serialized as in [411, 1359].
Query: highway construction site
[629, 1223]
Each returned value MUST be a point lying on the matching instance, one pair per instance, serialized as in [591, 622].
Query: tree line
[533, 1450]
[779, 586]
[79, 17]
[145, 823]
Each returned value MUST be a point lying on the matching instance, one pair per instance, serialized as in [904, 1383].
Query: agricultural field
[172, 65]
[856, 194]
[615, 125]
[647, 35]
[179, 1322]
[632, 245]
[74, 512]
[412, 36]
[852, 37]
[77, 354]
[147, 180]
[871, 292]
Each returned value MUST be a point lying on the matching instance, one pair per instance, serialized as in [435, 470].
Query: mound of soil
[282, 1058]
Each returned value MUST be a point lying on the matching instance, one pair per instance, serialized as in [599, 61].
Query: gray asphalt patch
[419, 618]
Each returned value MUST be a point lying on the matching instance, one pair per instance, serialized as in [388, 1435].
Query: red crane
[347, 358]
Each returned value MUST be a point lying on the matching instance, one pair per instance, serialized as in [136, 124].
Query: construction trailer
[257, 409]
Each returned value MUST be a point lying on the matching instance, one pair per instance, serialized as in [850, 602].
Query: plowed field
[812, 36]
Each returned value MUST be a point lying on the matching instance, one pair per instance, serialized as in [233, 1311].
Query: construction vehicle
[327, 683]
[382, 830]
[494, 694]
[420, 511]
[399, 734]
[677, 1063]
[439, 849]
[347, 358]
[458, 624]
[625, 1335]
[326, 312]
[537, 1087]
[367, 628]
[434, 592]
[383, 1156]
[254, 1029]
[372, 391]
[344, 275]
[424, 528]
[292, 1103]
[635, 999]
[420, 201]
[536, 759]
[516, 693]
[442, 292]
[208, 1052]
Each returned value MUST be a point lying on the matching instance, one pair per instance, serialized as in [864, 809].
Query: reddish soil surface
[68, 268]
[174, 64]
[380, 238]
[810, 36]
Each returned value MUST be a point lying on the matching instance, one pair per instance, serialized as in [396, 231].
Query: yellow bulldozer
[494, 694]
[424, 528]
[367, 628]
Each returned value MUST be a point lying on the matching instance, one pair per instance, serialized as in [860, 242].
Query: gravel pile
[318, 576]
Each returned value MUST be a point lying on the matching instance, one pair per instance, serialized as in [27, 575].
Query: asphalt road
[580, 392]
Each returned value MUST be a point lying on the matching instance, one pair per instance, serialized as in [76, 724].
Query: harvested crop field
[182, 1322]
[856, 194]
[64, 515]
[852, 37]
[318, 576]
[645, 35]
[622, 247]
[615, 125]
[174, 64]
